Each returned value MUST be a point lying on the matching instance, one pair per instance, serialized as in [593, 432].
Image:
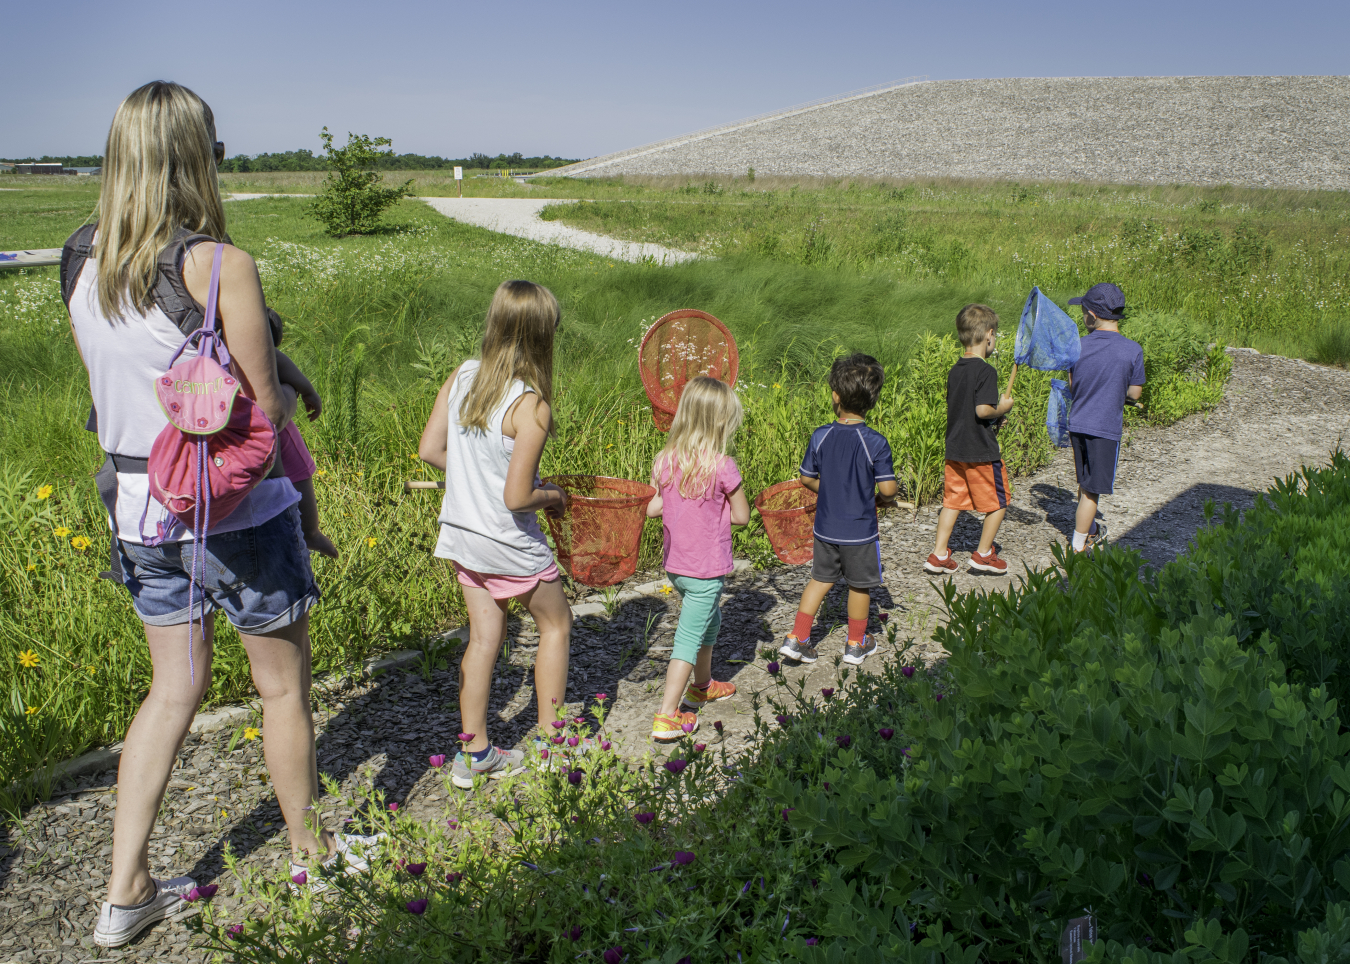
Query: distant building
[42, 169]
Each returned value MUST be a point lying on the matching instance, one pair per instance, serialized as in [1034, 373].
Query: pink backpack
[218, 444]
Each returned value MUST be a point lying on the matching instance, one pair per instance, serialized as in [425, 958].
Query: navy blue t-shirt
[849, 460]
[1107, 366]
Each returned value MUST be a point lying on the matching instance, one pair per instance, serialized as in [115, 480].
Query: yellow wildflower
[28, 659]
[321, 473]
[93, 670]
[61, 532]
[776, 385]
[370, 542]
[80, 542]
[30, 711]
[45, 492]
[31, 566]
[251, 732]
[413, 456]
[666, 590]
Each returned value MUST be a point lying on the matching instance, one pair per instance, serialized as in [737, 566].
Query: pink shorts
[296, 461]
[505, 587]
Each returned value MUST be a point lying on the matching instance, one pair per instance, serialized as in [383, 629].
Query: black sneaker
[855, 653]
[794, 648]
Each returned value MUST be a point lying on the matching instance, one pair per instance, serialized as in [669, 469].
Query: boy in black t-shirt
[975, 479]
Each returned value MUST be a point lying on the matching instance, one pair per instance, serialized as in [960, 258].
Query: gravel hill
[1250, 131]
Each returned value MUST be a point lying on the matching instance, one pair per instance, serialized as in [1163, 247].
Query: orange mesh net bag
[789, 513]
[597, 536]
[683, 345]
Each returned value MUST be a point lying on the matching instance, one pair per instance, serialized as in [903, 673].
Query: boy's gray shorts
[859, 566]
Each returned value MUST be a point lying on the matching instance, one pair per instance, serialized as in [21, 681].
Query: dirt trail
[1277, 415]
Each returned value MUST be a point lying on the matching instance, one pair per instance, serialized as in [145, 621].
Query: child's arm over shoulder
[290, 374]
[431, 449]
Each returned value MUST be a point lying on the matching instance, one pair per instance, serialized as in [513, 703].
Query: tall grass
[378, 323]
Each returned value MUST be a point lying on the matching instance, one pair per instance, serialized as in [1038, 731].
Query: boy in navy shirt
[847, 464]
[1110, 370]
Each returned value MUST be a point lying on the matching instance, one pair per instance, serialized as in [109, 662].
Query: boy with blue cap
[1109, 371]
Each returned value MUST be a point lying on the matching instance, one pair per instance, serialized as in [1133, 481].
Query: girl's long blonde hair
[707, 417]
[517, 343]
[159, 175]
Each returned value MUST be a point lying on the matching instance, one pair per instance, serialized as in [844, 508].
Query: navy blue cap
[1105, 300]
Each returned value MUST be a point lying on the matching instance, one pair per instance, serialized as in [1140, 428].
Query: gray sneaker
[497, 764]
[800, 650]
[353, 848]
[117, 925]
[855, 653]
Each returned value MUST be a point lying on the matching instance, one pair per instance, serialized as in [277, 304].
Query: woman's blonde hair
[708, 415]
[517, 343]
[159, 175]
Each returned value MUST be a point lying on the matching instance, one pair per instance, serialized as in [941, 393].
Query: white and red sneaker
[942, 567]
[988, 562]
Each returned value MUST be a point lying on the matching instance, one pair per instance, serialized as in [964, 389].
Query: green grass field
[378, 322]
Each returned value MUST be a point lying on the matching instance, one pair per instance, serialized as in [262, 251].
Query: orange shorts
[975, 486]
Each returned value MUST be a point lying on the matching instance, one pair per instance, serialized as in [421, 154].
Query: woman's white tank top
[478, 531]
[123, 359]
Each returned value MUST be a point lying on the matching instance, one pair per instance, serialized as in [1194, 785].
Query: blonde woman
[486, 432]
[699, 498]
[159, 181]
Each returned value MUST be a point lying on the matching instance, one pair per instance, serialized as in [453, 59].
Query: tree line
[306, 160]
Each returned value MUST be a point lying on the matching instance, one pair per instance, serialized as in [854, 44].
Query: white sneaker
[118, 925]
[351, 847]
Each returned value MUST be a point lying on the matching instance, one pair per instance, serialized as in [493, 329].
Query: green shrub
[352, 200]
[1278, 570]
[1185, 372]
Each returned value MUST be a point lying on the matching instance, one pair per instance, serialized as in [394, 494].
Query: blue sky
[591, 76]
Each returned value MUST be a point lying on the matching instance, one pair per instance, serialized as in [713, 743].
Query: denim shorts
[260, 577]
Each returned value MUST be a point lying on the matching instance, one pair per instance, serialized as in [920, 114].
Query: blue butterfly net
[1047, 338]
[1057, 413]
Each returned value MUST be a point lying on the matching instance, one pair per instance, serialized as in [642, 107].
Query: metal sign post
[459, 179]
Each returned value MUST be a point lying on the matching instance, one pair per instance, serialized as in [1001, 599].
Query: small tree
[353, 199]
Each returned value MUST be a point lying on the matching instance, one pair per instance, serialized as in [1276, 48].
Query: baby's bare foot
[320, 543]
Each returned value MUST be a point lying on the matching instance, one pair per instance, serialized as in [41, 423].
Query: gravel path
[1278, 414]
[520, 217]
[1249, 131]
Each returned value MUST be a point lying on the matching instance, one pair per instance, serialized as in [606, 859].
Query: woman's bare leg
[280, 663]
[149, 751]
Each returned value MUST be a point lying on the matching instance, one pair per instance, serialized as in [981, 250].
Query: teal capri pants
[700, 615]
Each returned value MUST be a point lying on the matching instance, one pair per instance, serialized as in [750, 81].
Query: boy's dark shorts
[859, 566]
[1094, 460]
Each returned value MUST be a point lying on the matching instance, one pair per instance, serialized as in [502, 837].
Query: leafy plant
[352, 199]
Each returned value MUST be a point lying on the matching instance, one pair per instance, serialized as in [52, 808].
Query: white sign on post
[459, 174]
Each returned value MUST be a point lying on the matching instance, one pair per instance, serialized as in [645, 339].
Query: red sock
[802, 627]
[856, 629]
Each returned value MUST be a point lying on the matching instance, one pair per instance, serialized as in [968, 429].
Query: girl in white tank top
[487, 432]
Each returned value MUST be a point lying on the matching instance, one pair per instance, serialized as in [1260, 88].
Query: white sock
[944, 555]
[1079, 540]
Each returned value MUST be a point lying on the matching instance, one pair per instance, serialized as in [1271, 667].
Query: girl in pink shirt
[699, 497]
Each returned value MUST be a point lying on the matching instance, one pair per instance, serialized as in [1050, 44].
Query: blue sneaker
[497, 764]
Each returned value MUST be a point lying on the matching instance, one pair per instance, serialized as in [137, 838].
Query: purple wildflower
[416, 870]
[676, 766]
[301, 878]
[827, 692]
[681, 858]
[417, 906]
[812, 941]
[393, 807]
[614, 955]
[843, 740]
[574, 777]
[234, 931]
[601, 697]
[558, 724]
[907, 671]
[574, 932]
[558, 740]
[438, 760]
[700, 747]
[885, 732]
[786, 811]
[467, 737]
[605, 744]
[543, 754]
[452, 824]
[938, 697]
[782, 720]
[645, 818]
[573, 741]
[454, 877]
[773, 669]
[717, 725]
